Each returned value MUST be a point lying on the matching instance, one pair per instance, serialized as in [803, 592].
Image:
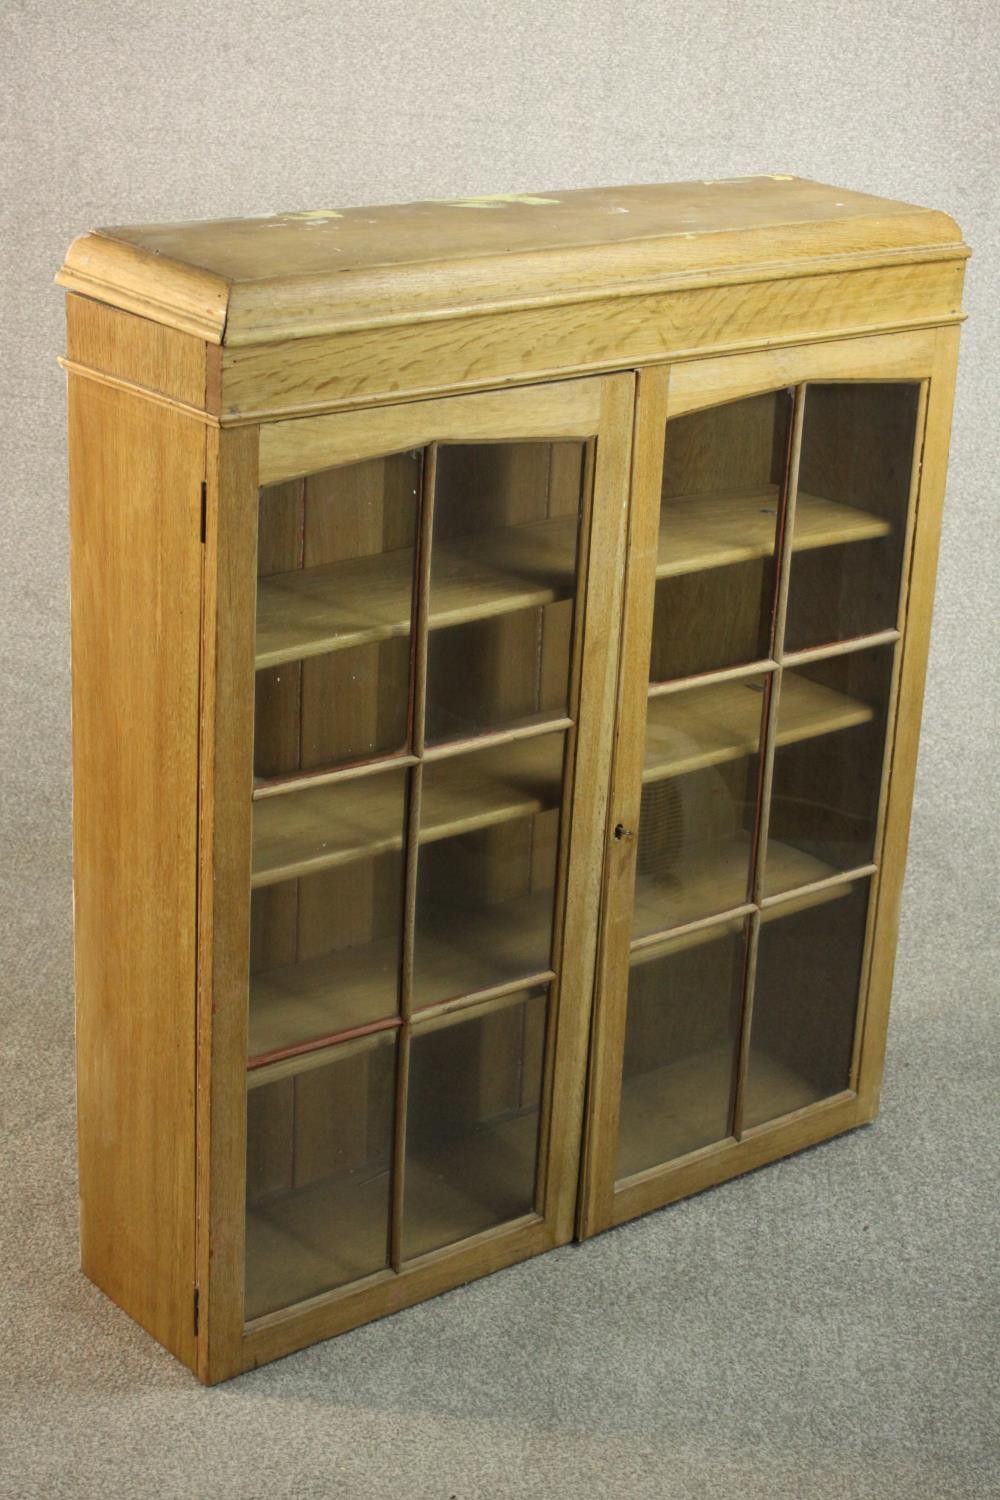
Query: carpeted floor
[826, 1327]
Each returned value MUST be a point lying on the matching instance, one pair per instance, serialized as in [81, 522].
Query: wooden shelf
[715, 880]
[322, 997]
[714, 531]
[477, 789]
[649, 952]
[669, 1111]
[314, 610]
[688, 731]
[461, 953]
[313, 1239]
[314, 828]
[499, 1156]
[310, 611]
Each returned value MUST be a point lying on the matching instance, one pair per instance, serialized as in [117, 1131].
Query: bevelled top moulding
[293, 275]
[300, 313]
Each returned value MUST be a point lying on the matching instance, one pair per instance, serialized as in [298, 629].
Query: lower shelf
[683, 1106]
[714, 879]
[324, 1236]
[460, 954]
[322, 997]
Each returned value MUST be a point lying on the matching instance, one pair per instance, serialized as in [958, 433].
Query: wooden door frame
[925, 355]
[238, 460]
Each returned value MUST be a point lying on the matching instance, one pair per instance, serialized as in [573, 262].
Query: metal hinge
[204, 505]
[197, 1299]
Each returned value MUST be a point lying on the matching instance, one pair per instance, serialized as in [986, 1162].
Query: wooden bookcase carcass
[499, 629]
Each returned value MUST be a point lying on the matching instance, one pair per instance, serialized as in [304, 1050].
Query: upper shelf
[687, 731]
[713, 531]
[313, 828]
[314, 610]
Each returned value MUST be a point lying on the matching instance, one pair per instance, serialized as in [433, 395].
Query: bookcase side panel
[136, 470]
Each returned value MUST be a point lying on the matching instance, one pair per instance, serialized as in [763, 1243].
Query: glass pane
[484, 908]
[723, 473]
[472, 1121]
[334, 605]
[850, 524]
[805, 1001]
[489, 838]
[332, 710]
[324, 953]
[319, 1146]
[827, 767]
[699, 803]
[310, 828]
[502, 583]
[681, 1043]
[497, 674]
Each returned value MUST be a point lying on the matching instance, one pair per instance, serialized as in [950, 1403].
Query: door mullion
[418, 715]
[786, 527]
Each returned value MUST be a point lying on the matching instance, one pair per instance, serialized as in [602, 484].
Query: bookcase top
[292, 275]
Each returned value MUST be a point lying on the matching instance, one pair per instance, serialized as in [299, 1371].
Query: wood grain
[568, 409]
[136, 350]
[577, 952]
[708, 382]
[135, 488]
[262, 382]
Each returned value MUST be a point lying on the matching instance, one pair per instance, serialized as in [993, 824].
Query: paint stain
[495, 200]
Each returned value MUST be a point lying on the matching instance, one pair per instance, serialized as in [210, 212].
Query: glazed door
[771, 530]
[436, 625]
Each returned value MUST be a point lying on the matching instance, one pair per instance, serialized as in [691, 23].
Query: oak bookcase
[499, 630]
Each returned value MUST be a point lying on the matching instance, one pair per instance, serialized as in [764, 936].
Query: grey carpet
[824, 1328]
